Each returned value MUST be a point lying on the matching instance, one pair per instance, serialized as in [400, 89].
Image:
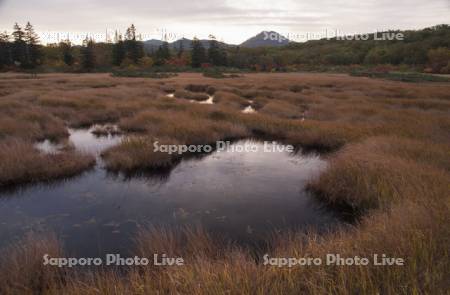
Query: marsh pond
[241, 196]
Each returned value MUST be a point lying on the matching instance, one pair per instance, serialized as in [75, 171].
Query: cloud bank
[231, 20]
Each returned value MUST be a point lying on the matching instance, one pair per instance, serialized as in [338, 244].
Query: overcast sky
[232, 21]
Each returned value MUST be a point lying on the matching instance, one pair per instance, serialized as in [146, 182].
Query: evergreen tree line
[215, 55]
[21, 48]
[128, 48]
[428, 48]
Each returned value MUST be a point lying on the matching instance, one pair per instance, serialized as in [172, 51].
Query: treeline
[127, 51]
[21, 49]
[427, 49]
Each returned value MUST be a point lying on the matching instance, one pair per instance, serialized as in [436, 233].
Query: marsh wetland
[79, 176]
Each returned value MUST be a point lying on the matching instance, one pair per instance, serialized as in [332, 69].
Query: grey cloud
[298, 16]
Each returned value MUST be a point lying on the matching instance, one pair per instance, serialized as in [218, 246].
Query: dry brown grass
[22, 163]
[282, 109]
[22, 271]
[390, 163]
[19, 119]
[231, 100]
[200, 88]
[380, 172]
[105, 130]
[137, 153]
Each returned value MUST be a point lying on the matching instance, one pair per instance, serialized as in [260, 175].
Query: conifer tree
[19, 50]
[18, 33]
[32, 46]
[223, 58]
[216, 53]
[134, 49]
[163, 53]
[67, 52]
[5, 50]
[197, 53]
[4, 37]
[88, 55]
[118, 53]
[130, 34]
[180, 49]
[165, 50]
[213, 52]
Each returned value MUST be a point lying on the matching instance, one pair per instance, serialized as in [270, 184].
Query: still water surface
[240, 195]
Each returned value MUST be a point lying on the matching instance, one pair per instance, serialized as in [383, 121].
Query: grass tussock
[18, 120]
[106, 130]
[404, 77]
[137, 153]
[282, 109]
[231, 100]
[298, 88]
[378, 173]
[22, 163]
[200, 88]
[143, 74]
[191, 95]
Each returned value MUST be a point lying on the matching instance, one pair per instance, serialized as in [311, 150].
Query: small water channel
[236, 194]
[248, 110]
[209, 100]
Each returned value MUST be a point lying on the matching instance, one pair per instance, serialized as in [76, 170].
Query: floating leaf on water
[249, 229]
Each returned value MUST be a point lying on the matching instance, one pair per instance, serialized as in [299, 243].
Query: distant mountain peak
[263, 39]
[153, 44]
[266, 38]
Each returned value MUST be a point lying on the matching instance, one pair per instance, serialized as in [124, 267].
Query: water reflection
[91, 140]
[86, 140]
[49, 147]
